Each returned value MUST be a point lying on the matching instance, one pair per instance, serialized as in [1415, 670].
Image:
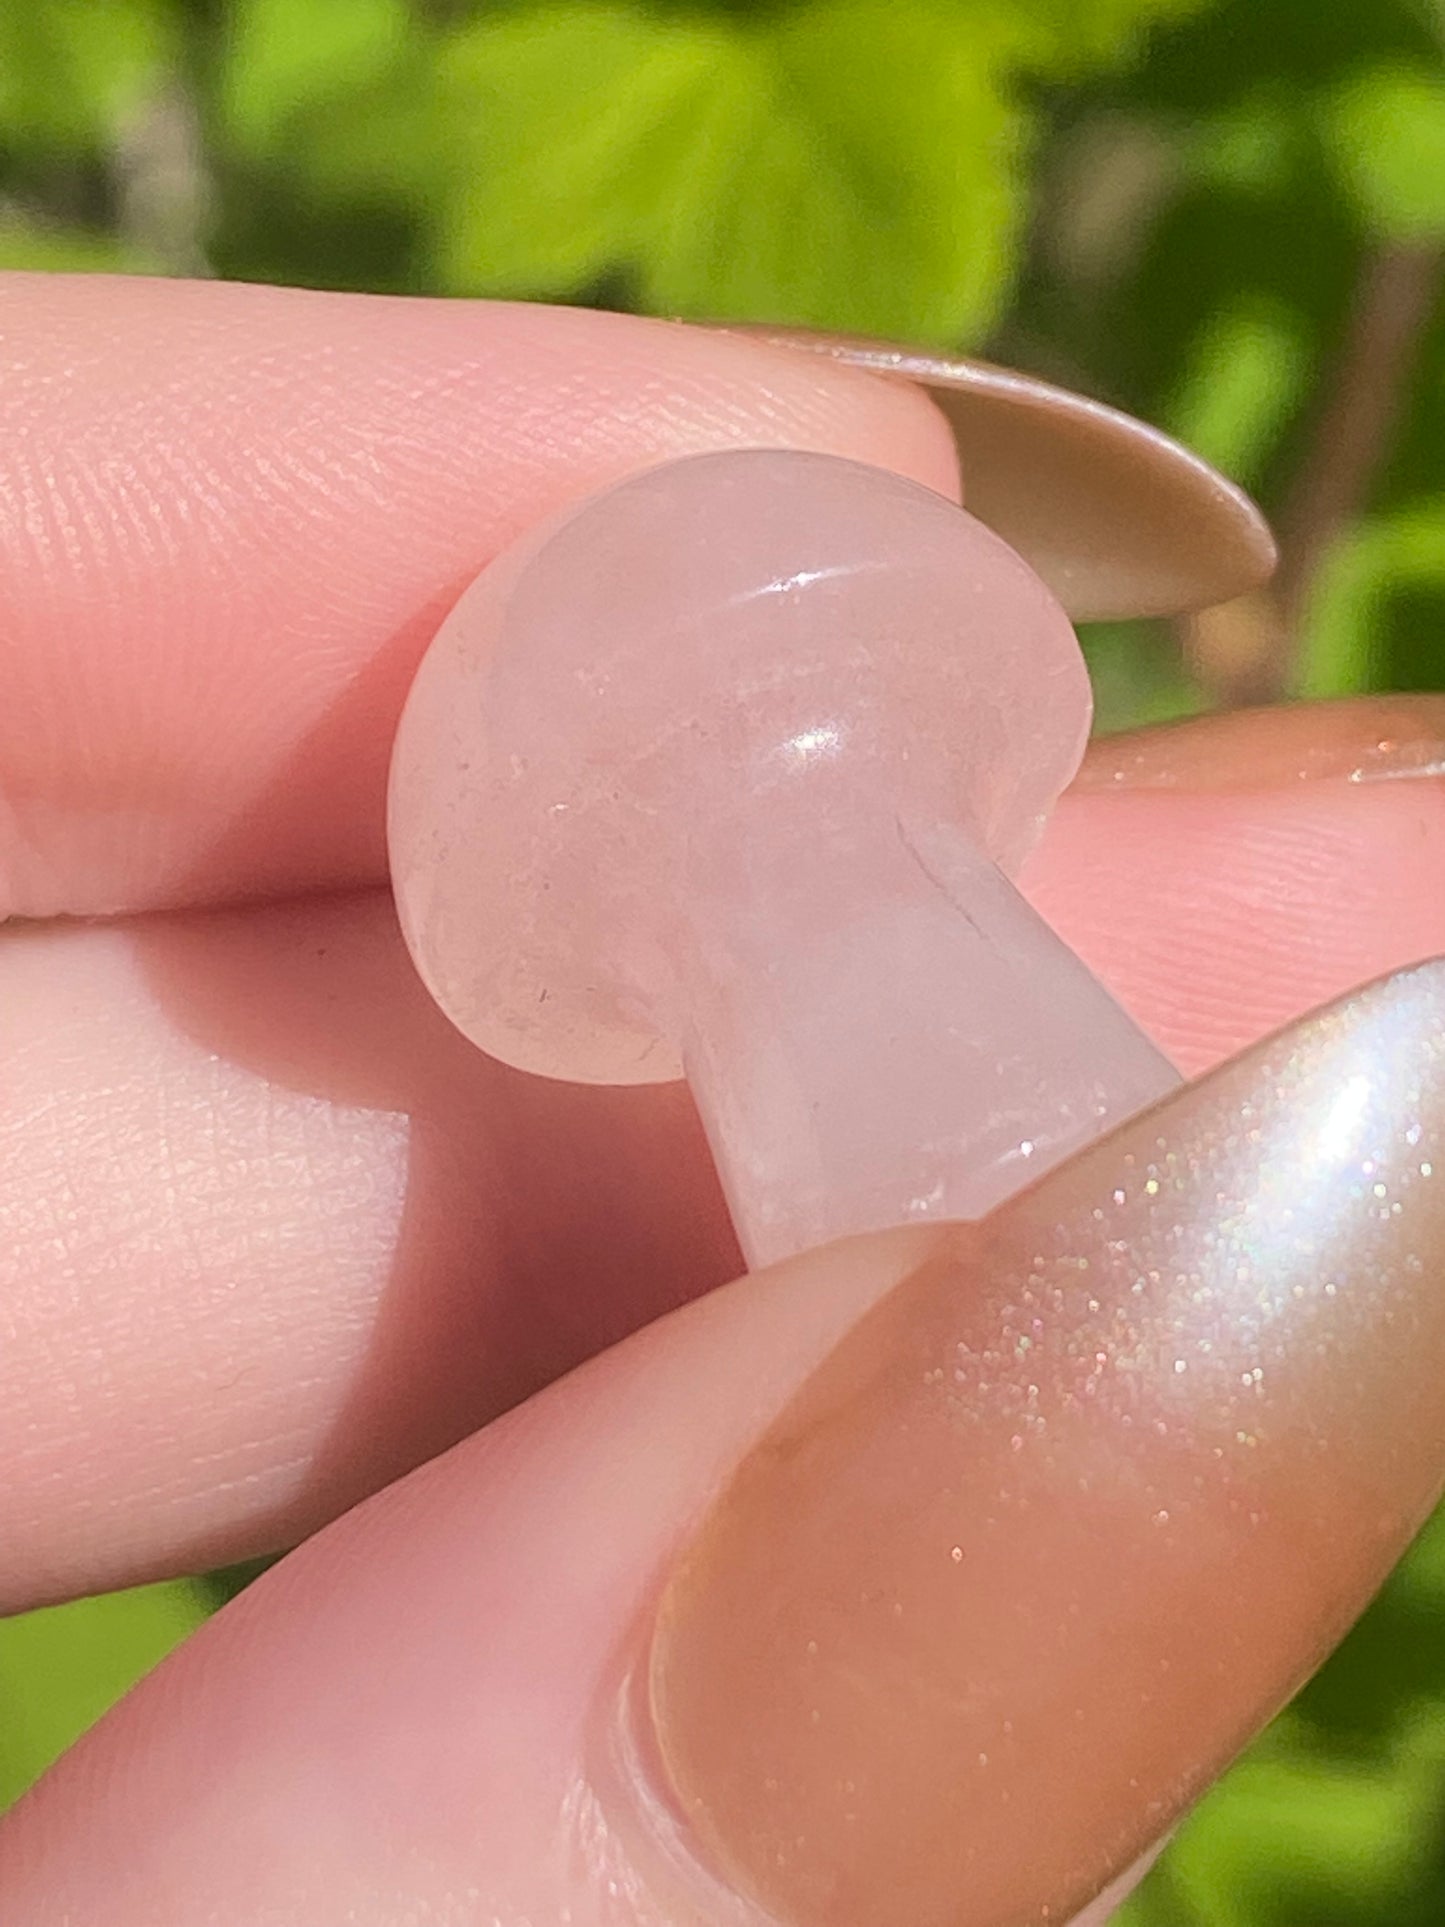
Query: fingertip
[241, 512]
[1218, 915]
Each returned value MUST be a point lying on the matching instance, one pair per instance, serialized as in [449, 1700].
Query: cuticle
[627, 1780]
[624, 1772]
[1390, 745]
[1305, 782]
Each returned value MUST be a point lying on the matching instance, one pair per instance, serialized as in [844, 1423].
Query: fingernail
[1117, 518]
[1363, 739]
[1079, 1503]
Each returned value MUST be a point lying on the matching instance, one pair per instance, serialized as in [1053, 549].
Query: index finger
[231, 517]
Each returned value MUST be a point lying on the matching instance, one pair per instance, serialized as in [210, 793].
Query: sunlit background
[1226, 215]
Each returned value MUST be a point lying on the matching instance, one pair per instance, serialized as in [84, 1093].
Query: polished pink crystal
[721, 774]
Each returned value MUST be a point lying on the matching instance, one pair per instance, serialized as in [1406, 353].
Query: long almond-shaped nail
[1358, 739]
[1072, 1511]
[1117, 517]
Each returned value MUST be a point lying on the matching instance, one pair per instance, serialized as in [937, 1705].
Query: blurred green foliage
[1169, 202]
[60, 1669]
[1181, 205]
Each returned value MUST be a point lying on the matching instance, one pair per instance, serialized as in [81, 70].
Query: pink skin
[193, 710]
[408, 1708]
[277, 1232]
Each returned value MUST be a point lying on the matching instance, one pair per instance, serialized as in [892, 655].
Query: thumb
[922, 1579]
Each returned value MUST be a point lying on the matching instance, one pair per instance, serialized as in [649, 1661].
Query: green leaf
[848, 163]
[1137, 676]
[851, 164]
[1068, 38]
[61, 1668]
[1421, 1574]
[282, 58]
[1246, 373]
[60, 250]
[286, 61]
[1250, 146]
[1294, 1838]
[1343, 630]
[1386, 131]
[71, 71]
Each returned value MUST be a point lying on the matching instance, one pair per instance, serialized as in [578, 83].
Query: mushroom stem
[894, 1035]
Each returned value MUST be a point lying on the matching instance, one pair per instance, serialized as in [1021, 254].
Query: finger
[275, 1232]
[231, 517]
[803, 1605]
[1220, 908]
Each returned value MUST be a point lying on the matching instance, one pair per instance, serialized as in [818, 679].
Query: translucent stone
[721, 774]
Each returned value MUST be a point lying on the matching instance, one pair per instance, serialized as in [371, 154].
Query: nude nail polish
[1117, 517]
[1062, 1522]
[1358, 739]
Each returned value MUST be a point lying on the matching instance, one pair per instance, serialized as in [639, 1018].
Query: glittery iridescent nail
[1058, 1526]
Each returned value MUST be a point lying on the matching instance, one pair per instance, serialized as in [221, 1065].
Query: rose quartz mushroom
[722, 774]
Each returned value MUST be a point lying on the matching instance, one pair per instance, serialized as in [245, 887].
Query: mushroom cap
[1118, 518]
[668, 699]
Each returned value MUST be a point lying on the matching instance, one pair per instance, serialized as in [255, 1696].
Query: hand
[276, 1235]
